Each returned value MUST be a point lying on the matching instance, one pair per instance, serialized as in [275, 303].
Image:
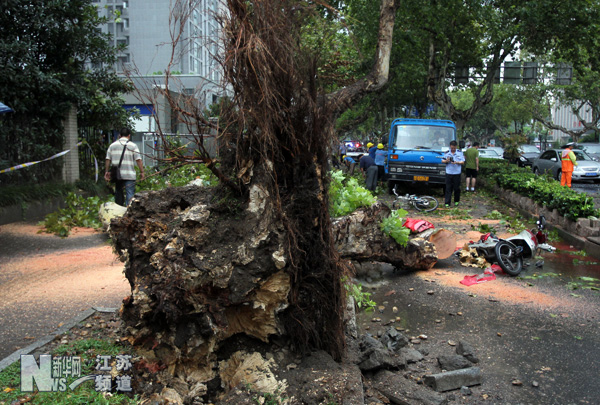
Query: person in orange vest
[568, 162]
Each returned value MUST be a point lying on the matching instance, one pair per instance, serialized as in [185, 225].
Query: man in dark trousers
[369, 169]
[454, 159]
[125, 155]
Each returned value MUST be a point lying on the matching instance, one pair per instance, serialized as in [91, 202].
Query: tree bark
[358, 237]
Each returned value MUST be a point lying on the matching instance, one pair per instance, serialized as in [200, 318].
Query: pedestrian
[349, 163]
[369, 170]
[380, 156]
[343, 151]
[568, 162]
[472, 165]
[454, 159]
[122, 156]
[372, 149]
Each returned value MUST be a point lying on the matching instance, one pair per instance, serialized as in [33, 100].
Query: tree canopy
[439, 43]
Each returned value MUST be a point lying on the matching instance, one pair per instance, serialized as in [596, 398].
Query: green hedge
[541, 189]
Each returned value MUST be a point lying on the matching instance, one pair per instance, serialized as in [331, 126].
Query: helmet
[369, 145]
[344, 157]
[379, 146]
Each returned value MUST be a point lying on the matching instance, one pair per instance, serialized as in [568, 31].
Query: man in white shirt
[125, 155]
[454, 159]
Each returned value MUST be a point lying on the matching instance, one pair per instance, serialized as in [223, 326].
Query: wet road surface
[46, 281]
[531, 332]
[537, 335]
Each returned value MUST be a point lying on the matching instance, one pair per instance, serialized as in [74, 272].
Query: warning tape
[29, 164]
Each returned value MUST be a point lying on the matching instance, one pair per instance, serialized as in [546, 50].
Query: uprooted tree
[255, 256]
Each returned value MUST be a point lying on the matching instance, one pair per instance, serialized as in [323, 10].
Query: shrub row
[542, 189]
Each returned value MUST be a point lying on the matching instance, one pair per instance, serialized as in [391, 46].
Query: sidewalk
[45, 281]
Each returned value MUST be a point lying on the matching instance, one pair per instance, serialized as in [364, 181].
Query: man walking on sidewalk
[124, 155]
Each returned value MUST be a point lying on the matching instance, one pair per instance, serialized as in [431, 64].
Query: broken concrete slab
[453, 362]
[411, 355]
[452, 380]
[465, 349]
[400, 390]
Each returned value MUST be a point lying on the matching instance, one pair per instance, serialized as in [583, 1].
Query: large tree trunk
[285, 138]
[261, 260]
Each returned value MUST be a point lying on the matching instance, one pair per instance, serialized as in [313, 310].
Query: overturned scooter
[510, 252]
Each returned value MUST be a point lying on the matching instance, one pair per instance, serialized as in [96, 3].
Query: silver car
[489, 154]
[549, 162]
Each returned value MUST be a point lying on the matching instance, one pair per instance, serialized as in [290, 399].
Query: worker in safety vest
[568, 162]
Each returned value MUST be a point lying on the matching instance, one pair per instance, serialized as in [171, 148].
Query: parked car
[355, 148]
[592, 149]
[549, 162]
[498, 149]
[488, 153]
[527, 154]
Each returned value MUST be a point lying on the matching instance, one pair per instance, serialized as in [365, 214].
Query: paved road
[45, 281]
[534, 332]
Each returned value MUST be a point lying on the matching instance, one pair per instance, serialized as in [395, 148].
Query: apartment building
[148, 30]
[563, 115]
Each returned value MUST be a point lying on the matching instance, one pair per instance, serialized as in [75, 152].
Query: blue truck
[415, 151]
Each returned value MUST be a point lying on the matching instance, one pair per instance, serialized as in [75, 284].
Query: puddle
[568, 262]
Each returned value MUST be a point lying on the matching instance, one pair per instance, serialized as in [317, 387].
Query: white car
[488, 153]
[499, 150]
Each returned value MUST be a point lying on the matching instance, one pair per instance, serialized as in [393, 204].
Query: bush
[79, 211]
[160, 178]
[394, 227]
[541, 189]
[345, 195]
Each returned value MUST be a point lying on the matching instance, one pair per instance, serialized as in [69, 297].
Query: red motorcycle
[510, 252]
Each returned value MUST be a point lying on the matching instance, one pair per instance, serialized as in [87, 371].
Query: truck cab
[416, 148]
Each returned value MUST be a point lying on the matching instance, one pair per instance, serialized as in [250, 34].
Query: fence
[152, 145]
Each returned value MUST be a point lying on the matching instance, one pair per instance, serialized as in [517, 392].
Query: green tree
[406, 91]
[47, 51]
[443, 46]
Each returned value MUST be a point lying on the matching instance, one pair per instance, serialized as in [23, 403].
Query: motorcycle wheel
[426, 203]
[508, 260]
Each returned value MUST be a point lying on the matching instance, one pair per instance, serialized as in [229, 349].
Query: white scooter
[510, 252]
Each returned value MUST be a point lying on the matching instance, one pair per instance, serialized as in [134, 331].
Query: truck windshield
[422, 137]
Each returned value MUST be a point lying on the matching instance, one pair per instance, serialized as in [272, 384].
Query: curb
[11, 358]
[590, 244]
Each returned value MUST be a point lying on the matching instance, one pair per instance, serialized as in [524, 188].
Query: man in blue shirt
[350, 163]
[454, 159]
[380, 156]
[371, 149]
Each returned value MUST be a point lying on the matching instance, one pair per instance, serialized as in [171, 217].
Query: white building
[147, 30]
[563, 115]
